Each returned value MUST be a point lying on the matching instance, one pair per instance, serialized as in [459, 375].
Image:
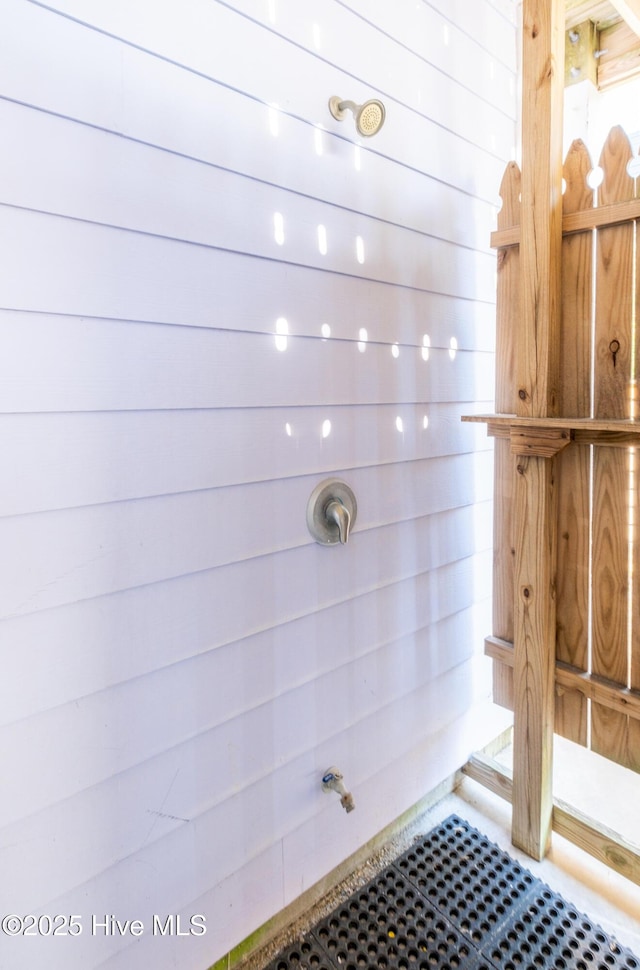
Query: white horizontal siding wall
[185, 354]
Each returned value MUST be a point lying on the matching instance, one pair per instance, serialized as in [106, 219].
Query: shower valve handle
[331, 512]
[339, 513]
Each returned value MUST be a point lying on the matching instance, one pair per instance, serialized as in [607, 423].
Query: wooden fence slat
[573, 464]
[508, 295]
[612, 383]
[572, 590]
[567, 534]
[577, 249]
[634, 725]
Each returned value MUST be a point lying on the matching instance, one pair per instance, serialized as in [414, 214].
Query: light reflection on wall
[322, 240]
[426, 343]
[282, 331]
[362, 341]
[326, 428]
[272, 116]
[360, 249]
[278, 228]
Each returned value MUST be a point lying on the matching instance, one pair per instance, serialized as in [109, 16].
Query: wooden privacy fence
[594, 436]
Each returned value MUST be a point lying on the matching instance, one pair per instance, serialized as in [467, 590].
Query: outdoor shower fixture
[331, 512]
[369, 117]
[332, 781]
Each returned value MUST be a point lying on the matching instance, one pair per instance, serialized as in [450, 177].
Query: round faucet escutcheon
[331, 512]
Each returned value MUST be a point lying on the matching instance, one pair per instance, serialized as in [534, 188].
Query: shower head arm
[338, 108]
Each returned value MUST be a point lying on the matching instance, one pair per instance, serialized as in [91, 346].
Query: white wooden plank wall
[213, 296]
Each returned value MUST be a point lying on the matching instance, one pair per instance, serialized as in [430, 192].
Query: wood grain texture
[614, 356]
[508, 295]
[573, 467]
[590, 835]
[634, 479]
[541, 223]
[572, 589]
[537, 395]
[577, 275]
[508, 292]
[614, 292]
[534, 639]
[620, 53]
[590, 218]
[568, 678]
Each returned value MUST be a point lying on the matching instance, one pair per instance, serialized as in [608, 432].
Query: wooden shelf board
[631, 426]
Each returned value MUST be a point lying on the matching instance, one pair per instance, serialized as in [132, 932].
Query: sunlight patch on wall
[278, 228]
[282, 331]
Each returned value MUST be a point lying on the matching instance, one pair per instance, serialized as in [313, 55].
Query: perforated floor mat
[455, 901]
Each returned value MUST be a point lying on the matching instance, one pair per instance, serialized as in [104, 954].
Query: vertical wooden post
[541, 215]
[537, 390]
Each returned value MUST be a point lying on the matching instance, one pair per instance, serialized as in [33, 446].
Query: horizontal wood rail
[589, 835]
[587, 219]
[609, 694]
[614, 432]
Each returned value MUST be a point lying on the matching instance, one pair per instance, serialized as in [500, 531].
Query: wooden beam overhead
[629, 10]
[601, 12]
[620, 57]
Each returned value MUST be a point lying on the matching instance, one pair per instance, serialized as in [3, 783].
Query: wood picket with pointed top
[598, 475]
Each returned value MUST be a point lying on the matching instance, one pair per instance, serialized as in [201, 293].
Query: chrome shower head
[369, 117]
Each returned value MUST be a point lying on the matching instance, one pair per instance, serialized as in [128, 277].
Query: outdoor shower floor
[456, 901]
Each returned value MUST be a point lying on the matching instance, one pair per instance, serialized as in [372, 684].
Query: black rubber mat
[455, 901]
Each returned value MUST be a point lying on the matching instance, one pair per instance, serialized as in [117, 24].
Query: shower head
[369, 117]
